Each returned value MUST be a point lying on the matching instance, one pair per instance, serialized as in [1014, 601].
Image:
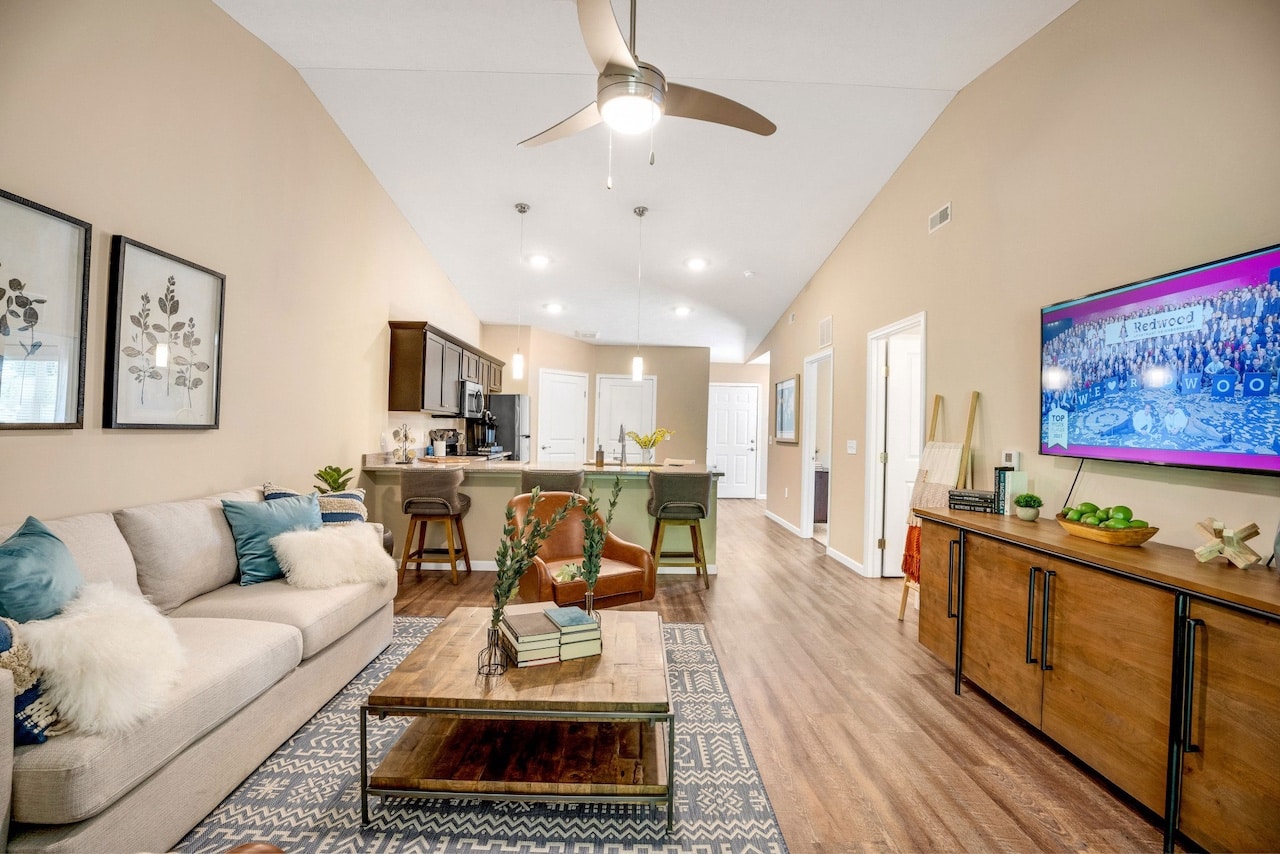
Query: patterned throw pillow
[34, 717]
[336, 508]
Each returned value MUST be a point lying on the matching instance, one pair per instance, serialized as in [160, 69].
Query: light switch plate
[851, 446]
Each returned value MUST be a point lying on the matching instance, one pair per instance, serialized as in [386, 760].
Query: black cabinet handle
[1189, 686]
[1044, 621]
[952, 613]
[1031, 610]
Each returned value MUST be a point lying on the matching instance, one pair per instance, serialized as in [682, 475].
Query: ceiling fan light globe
[630, 114]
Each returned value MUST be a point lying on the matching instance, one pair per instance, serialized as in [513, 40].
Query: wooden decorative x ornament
[1227, 542]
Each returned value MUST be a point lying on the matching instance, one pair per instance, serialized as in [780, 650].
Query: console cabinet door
[1106, 696]
[1231, 785]
[996, 627]
[937, 629]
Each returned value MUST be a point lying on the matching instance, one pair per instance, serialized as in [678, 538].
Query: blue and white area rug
[306, 797]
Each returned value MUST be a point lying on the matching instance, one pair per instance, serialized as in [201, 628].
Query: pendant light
[637, 362]
[517, 361]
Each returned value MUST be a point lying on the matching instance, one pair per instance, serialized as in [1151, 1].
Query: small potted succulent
[1027, 506]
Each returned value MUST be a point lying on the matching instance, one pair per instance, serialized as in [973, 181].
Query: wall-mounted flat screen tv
[1177, 370]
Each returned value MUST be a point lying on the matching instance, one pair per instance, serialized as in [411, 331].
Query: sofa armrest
[6, 751]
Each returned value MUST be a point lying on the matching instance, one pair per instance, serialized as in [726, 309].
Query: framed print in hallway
[44, 308]
[164, 340]
[786, 398]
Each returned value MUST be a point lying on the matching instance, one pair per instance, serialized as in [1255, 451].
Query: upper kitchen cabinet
[427, 366]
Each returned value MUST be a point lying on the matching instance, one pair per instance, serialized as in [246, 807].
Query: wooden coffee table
[595, 729]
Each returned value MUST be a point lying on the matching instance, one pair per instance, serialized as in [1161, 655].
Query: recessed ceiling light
[539, 262]
[682, 311]
[750, 274]
[553, 308]
[697, 265]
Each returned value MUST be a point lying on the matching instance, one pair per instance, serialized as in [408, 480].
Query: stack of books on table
[530, 639]
[579, 634]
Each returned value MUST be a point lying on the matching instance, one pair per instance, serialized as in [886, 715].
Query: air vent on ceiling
[824, 332]
[940, 218]
[586, 336]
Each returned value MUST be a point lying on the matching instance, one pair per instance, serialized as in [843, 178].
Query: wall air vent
[824, 332]
[586, 336]
[940, 218]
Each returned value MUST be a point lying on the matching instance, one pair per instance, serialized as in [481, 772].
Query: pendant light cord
[640, 211]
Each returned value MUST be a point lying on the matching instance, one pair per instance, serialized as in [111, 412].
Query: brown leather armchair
[627, 572]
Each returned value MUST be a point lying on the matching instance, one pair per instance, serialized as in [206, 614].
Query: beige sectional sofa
[260, 661]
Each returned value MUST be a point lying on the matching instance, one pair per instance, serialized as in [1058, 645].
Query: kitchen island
[492, 483]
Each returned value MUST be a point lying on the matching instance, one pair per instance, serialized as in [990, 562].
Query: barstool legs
[451, 553]
[698, 556]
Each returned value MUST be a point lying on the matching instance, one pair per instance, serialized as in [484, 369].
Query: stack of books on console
[979, 500]
[579, 634]
[530, 639]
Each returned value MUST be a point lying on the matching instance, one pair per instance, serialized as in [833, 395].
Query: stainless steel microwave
[472, 399]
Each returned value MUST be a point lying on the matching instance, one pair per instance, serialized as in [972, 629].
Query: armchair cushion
[627, 572]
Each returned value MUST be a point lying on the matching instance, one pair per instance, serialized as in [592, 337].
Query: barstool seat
[681, 499]
[432, 497]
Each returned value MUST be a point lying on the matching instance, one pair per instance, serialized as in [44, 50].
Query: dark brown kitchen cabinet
[495, 376]
[473, 367]
[427, 366]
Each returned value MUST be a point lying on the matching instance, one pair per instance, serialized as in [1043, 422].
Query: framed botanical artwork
[44, 313]
[786, 397]
[164, 340]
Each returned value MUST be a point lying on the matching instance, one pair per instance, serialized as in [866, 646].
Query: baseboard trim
[769, 514]
[847, 561]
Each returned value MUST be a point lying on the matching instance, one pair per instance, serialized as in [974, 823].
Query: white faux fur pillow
[108, 660]
[339, 554]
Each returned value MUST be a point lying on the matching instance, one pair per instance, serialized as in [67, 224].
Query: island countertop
[492, 483]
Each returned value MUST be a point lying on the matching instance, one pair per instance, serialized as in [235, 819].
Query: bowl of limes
[1113, 525]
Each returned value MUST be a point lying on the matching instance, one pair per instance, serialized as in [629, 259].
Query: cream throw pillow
[338, 554]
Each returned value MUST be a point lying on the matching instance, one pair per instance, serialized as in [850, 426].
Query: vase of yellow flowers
[649, 441]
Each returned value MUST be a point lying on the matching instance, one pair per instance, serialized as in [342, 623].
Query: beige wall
[168, 123]
[1125, 140]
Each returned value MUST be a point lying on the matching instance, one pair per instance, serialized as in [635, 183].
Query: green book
[579, 649]
[572, 619]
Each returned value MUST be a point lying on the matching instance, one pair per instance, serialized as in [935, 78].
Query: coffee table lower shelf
[584, 759]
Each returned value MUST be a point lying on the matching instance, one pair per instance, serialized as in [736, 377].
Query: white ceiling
[435, 94]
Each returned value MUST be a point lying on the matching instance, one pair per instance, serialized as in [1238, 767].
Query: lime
[1121, 512]
[1116, 524]
[1087, 507]
[1105, 513]
[1138, 523]
[1073, 515]
[1092, 519]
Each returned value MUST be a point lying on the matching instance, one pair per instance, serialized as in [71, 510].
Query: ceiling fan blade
[690, 103]
[581, 120]
[604, 39]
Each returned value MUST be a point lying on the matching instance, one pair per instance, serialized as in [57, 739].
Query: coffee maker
[481, 433]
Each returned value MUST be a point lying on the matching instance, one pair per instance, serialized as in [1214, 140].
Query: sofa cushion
[254, 523]
[99, 550]
[229, 663]
[38, 575]
[616, 578]
[322, 616]
[182, 548]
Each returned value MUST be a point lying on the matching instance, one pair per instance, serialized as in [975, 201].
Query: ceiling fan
[632, 95]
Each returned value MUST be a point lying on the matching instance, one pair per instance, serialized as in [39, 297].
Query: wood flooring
[860, 741]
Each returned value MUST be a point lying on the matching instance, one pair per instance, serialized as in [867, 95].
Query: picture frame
[786, 403]
[44, 315]
[164, 341]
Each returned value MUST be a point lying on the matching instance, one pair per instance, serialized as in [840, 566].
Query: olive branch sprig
[518, 548]
[593, 539]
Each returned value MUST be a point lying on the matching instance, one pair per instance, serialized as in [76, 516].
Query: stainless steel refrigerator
[512, 414]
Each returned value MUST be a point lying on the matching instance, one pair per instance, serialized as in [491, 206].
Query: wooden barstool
[432, 496]
[681, 499]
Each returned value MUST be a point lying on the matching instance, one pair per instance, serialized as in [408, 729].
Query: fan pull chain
[651, 132]
[608, 180]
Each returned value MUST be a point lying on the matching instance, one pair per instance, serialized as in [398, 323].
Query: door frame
[762, 439]
[809, 433]
[873, 495]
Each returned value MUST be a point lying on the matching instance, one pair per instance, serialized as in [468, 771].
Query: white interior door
[622, 402]
[562, 417]
[904, 434]
[732, 424]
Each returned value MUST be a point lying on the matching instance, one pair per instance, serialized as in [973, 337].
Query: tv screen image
[1177, 370]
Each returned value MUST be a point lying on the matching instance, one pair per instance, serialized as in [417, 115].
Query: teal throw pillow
[37, 573]
[254, 523]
